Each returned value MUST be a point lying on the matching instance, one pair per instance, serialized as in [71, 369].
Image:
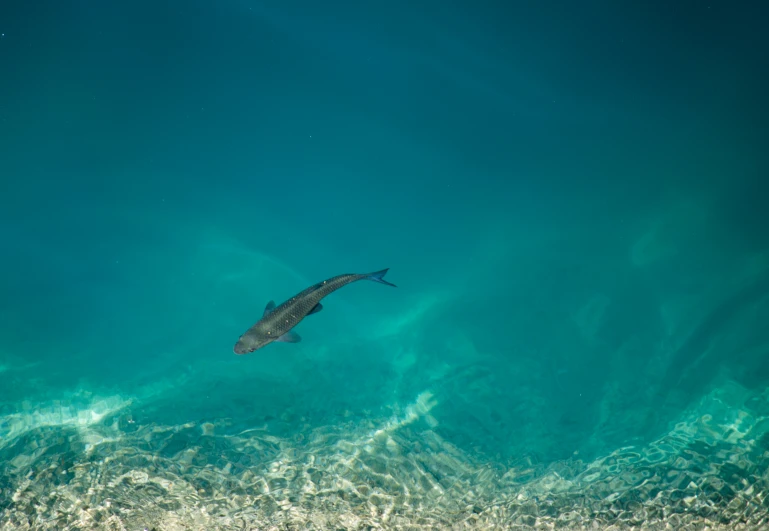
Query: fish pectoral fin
[289, 337]
[267, 309]
[318, 307]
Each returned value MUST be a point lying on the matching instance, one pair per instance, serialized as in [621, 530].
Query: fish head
[250, 342]
[240, 347]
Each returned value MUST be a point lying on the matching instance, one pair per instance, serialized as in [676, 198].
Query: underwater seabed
[414, 434]
[104, 466]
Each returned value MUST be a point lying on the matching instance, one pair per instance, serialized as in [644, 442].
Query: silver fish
[276, 322]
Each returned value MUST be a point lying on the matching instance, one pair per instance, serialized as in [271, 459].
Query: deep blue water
[571, 198]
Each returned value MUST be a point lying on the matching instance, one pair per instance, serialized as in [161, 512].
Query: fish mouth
[239, 350]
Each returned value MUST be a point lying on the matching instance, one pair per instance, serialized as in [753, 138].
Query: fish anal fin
[318, 307]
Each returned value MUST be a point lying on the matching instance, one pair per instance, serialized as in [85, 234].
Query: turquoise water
[571, 199]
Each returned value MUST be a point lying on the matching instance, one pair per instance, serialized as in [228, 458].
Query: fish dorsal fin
[318, 307]
[268, 309]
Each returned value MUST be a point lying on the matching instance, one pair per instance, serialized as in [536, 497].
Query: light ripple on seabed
[113, 473]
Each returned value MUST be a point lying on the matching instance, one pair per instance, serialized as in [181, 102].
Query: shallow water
[570, 199]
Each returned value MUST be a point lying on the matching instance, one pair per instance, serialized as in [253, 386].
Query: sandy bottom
[113, 471]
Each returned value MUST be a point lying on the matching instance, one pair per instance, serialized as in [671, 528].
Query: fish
[277, 322]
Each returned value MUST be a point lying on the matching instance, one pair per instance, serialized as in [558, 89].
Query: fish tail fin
[379, 277]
